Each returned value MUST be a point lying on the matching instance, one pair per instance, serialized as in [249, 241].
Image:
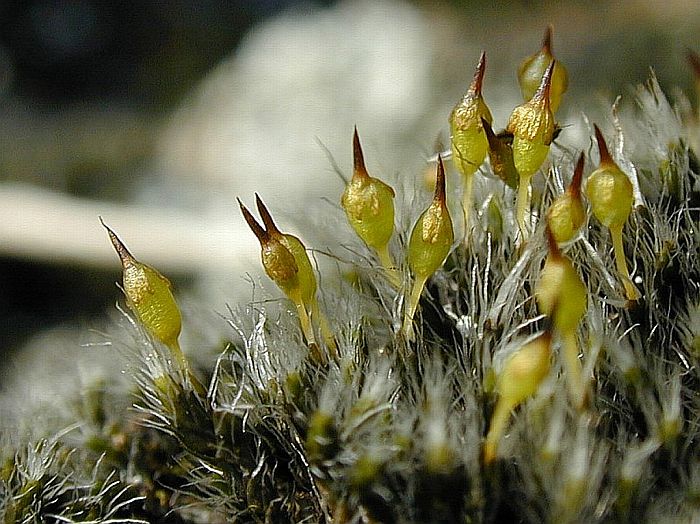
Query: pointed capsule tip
[547, 40]
[440, 194]
[575, 186]
[270, 225]
[255, 227]
[478, 80]
[124, 255]
[605, 158]
[358, 157]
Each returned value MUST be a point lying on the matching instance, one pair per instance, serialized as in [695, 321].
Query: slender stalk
[174, 347]
[412, 305]
[621, 263]
[185, 367]
[467, 203]
[326, 332]
[499, 419]
[522, 205]
[306, 327]
[388, 264]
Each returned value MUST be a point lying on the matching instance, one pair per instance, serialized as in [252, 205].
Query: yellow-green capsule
[306, 275]
[609, 189]
[286, 262]
[277, 259]
[566, 214]
[560, 292]
[305, 271]
[519, 380]
[562, 296]
[532, 126]
[369, 205]
[611, 195]
[429, 244]
[148, 295]
[531, 71]
[467, 137]
[469, 144]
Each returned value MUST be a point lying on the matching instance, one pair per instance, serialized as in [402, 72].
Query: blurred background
[156, 115]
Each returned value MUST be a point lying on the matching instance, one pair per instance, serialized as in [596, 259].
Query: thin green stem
[467, 203]
[522, 205]
[621, 263]
[388, 264]
[326, 332]
[185, 367]
[499, 420]
[412, 305]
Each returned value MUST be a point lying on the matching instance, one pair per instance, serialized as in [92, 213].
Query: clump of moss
[515, 373]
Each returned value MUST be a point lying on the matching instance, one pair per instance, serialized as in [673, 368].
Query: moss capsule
[562, 296]
[566, 214]
[611, 195]
[531, 71]
[369, 205]
[429, 244]
[305, 272]
[532, 126]
[149, 296]
[560, 292]
[519, 380]
[285, 261]
[277, 259]
[467, 137]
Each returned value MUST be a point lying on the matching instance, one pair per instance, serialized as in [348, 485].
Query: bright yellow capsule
[277, 259]
[531, 71]
[286, 262]
[519, 380]
[149, 296]
[559, 292]
[429, 244]
[567, 214]
[611, 195]
[369, 205]
[469, 144]
[467, 137]
[562, 296]
[532, 126]
[305, 271]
